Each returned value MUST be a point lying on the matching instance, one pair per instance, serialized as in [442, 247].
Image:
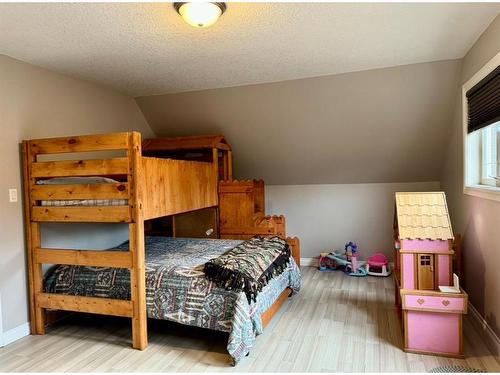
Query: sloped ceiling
[146, 48]
[383, 125]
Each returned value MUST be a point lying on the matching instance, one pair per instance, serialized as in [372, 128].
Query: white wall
[325, 217]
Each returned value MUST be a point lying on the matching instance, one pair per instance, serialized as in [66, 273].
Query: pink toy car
[378, 265]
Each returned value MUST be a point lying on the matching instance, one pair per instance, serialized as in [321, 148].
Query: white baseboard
[14, 334]
[485, 331]
[309, 262]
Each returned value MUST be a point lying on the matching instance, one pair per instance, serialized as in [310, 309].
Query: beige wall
[325, 217]
[37, 103]
[383, 125]
[478, 219]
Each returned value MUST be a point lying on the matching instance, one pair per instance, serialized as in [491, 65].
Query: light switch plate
[12, 195]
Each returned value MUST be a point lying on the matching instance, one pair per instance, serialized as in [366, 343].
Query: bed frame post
[35, 274]
[229, 165]
[136, 245]
[215, 161]
[294, 244]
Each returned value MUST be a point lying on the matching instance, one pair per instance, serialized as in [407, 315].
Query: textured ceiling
[146, 48]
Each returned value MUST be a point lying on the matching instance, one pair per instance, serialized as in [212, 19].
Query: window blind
[483, 102]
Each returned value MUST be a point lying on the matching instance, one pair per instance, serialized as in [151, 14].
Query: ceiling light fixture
[200, 14]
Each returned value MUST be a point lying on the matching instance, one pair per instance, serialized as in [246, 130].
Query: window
[490, 155]
[481, 124]
[425, 260]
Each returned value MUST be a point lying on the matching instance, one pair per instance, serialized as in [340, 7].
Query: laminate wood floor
[336, 323]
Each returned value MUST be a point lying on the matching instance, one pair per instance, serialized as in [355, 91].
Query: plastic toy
[348, 261]
[326, 263]
[378, 265]
[351, 249]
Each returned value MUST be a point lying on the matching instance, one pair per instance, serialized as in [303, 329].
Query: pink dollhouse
[432, 320]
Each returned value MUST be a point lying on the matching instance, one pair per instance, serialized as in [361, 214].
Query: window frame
[476, 188]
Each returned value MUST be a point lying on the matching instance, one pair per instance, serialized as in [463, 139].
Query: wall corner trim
[485, 331]
[14, 334]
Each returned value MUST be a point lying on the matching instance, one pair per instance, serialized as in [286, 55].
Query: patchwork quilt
[177, 289]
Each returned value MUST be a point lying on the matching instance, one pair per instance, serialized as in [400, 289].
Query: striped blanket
[249, 266]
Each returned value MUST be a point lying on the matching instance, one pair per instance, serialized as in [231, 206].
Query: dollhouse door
[425, 266]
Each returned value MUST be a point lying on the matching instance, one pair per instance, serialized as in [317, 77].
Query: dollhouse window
[481, 109]
[425, 260]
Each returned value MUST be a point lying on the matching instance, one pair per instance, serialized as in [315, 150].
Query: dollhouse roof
[423, 216]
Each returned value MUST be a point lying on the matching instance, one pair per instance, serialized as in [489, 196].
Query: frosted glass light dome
[200, 14]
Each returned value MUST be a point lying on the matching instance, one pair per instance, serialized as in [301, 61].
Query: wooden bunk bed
[151, 187]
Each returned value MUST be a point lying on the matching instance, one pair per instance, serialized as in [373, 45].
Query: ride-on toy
[378, 265]
[348, 262]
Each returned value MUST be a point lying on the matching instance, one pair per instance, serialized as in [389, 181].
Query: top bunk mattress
[81, 202]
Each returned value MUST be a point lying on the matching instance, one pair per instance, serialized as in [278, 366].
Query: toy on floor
[325, 263]
[378, 265]
[351, 250]
[348, 261]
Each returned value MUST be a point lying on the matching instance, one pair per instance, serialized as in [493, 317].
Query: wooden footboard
[268, 315]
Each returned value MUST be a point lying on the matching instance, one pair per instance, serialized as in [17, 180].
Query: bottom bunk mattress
[177, 289]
